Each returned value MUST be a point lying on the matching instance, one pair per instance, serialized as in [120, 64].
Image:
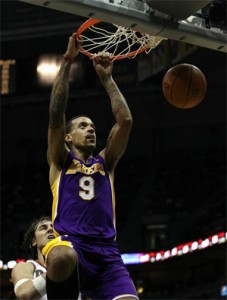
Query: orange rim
[93, 21]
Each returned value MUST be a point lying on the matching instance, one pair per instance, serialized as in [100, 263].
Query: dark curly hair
[29, 235]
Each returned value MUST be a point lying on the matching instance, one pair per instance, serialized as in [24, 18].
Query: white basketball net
[120, 41]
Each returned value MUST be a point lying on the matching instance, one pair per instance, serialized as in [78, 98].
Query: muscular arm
[59, 96]
[119, 134]
[27, 289]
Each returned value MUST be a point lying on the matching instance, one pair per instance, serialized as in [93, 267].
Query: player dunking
[85, 252]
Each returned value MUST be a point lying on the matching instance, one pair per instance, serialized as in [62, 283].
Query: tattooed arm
[119, 134]
[57, 152]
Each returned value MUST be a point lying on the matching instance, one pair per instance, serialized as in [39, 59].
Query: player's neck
[40, 259]
[82, 155]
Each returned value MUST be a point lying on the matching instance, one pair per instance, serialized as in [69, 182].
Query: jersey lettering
[38, 273]
[87, 184]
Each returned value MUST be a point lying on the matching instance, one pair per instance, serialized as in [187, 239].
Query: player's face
[82, 134]
[43, 234]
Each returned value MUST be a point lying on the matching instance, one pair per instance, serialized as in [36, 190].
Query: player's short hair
[29, 235]
[68, 125]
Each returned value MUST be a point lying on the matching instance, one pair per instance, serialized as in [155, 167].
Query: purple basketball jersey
[83, 199]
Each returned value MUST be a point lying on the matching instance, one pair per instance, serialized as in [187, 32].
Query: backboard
[150, 16]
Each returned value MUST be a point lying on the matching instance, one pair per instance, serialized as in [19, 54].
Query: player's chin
[91, 146]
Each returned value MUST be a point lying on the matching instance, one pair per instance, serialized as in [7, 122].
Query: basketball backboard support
[179, 9]
[141, 16]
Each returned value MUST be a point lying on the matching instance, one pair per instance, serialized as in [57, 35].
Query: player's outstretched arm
[59, 96]
[25, 286]
[119, 135]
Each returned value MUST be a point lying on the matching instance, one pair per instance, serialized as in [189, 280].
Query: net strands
[122, 42]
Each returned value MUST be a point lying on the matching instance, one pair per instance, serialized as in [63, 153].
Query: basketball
[184, 86]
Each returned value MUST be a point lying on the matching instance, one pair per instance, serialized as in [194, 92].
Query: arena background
[171, 182]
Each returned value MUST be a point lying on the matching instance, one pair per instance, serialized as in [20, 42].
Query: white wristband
[40, 285]
[19, 283]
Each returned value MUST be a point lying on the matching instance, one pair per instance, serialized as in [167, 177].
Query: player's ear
[68, 138]
[33, 243]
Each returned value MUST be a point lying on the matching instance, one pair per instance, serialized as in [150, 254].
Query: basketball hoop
[121, 42]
